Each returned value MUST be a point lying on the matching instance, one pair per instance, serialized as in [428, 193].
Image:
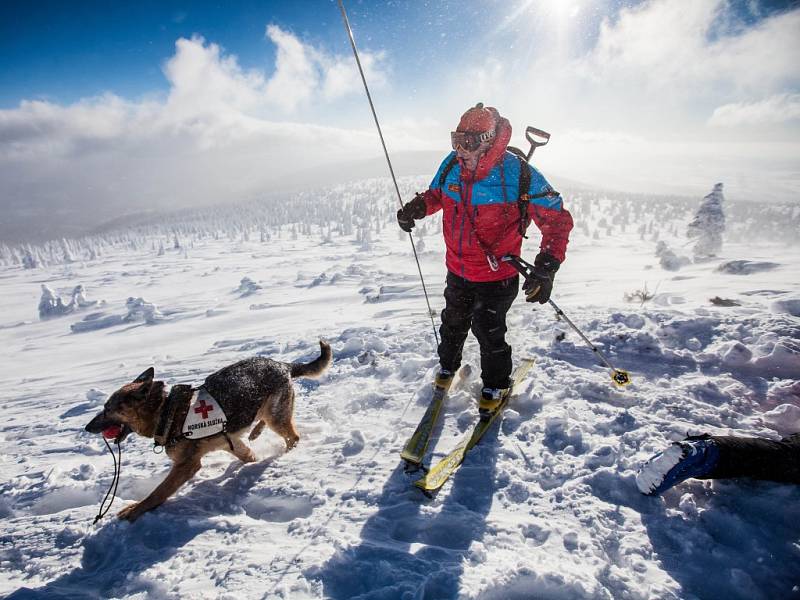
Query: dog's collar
[179, 397]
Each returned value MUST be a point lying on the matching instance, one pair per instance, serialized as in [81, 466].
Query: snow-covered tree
[668, 259]
[139, 308]
[364, 238]
[66, 251]
[29, 260]
[708, 225]
[51, 305]
[247, 287]
[79, 298]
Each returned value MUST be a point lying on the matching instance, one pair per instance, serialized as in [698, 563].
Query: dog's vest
[205, 416]
[193, 413]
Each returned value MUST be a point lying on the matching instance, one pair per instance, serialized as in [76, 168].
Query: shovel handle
[531, 134]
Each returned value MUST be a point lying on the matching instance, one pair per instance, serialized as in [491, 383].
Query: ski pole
[388, 160]
[618, 376]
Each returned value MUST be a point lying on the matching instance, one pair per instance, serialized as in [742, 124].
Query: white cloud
[341, 77]
[42, 129]
[775, 109]
[297, 75]
[211, 101]
[677, 46]
[221, 132]
[203, 80]
[659, 67]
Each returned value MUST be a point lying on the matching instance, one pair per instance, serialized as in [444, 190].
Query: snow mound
[779, 357]
[746, 267]
[736, 355]
[782, 361]
[95, 321]
[247, 287]
[386, 293]
[668, 259]
[790, 306]
[666, 299]
[139, 309]
[785, 419]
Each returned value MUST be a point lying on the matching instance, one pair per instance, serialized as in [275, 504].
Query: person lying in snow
[721, 457]
[477, 188]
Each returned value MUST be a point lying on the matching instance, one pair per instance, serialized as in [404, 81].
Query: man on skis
[484, 218]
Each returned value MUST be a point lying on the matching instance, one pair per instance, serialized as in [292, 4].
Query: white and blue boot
[681, 461]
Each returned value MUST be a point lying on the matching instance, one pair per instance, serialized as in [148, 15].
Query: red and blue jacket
[483, 204]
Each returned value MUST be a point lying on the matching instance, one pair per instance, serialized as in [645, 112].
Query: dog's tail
[317, 366]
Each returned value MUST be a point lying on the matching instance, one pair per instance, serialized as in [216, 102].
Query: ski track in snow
[545, 507]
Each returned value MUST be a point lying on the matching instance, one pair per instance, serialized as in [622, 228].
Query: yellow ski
[441, 471]
[415, 448]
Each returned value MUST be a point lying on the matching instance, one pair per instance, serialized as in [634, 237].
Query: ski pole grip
[523, 267]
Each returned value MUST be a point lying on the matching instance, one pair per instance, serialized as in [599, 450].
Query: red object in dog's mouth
[112, 432]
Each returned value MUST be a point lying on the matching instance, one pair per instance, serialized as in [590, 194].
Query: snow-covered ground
[545, 507]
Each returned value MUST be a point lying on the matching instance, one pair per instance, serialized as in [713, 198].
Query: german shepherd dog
[255, 390]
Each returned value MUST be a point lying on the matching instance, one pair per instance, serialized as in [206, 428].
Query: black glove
[415, 209]
[539, 284]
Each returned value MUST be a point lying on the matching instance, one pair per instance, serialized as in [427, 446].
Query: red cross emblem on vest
[204, 408]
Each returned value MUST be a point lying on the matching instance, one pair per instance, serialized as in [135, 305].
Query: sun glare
[558, 9]
[553, 15]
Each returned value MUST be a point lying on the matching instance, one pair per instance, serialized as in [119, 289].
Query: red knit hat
[477, 120]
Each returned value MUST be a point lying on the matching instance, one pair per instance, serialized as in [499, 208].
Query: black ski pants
[757, 458]
[483, 307]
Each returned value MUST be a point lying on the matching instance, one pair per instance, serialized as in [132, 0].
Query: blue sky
[661, 95]
[68, 50]
[65, 51]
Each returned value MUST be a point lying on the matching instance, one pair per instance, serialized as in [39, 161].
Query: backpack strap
[447, 168]
[524, 197]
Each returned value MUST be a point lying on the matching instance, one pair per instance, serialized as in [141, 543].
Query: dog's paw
[130, 512]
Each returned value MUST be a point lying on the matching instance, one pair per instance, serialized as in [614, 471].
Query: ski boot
[443, 378]
[491, 399]
[693, 457]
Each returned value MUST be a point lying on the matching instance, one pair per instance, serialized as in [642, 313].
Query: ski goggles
[469, 140]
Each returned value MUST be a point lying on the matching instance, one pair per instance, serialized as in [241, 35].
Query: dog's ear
[146, 377]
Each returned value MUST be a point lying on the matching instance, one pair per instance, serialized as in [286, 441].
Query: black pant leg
[489, 326]
[757, 458]
[456, 320]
